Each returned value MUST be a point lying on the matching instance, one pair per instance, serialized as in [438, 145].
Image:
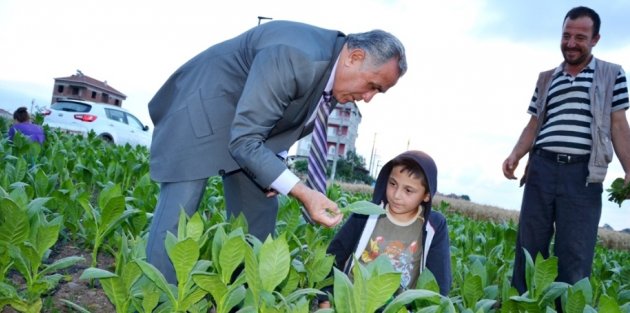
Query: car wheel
[107, 139]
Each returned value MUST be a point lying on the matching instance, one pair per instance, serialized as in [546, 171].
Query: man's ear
[356, 55]
[595, 40]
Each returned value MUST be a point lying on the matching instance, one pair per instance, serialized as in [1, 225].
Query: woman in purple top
[23, 125]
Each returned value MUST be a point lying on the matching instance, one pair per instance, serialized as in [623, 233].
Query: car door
[139, 132]
[117, 122]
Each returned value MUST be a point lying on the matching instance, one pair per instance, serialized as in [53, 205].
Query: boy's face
[404, 194]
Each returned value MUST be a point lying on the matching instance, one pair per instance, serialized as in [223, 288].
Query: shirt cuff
[285, 182]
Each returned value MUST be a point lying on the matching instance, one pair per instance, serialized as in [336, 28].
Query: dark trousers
[241, 194]
[558, 201]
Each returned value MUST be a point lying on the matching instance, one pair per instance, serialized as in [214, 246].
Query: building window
[105, 98]
[60, 88]
[93, 94]
[117, 102]
[75, 90]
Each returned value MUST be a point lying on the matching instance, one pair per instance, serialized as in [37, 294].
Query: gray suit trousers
[242, 195]
[173, 197]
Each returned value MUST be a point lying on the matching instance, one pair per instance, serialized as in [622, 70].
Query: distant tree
[300, 166]
[349, 169]
[352, 169]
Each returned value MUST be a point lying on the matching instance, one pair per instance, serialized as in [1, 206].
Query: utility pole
[263, 18]
[372, 153]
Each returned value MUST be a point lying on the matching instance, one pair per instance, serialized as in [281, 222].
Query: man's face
[578, 41]
[356, 79]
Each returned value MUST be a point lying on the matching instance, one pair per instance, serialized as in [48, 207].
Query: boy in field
[412, 235]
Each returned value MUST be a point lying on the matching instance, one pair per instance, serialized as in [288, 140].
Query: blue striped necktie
[318, 156]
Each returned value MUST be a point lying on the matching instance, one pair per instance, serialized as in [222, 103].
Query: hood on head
[423, 160]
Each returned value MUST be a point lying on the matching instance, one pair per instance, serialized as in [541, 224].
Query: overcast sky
[472, 67]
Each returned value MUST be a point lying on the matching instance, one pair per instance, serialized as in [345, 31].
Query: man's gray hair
[381, 46]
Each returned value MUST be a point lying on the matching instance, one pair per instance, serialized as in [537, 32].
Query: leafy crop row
[100, 197]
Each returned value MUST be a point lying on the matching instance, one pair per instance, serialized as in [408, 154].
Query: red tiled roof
[87, 80]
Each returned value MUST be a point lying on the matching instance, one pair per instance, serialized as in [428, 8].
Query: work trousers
[558, 201]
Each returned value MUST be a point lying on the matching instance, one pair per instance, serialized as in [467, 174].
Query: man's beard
[576, 61]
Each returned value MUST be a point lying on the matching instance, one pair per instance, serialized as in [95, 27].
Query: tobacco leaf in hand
[618, 191]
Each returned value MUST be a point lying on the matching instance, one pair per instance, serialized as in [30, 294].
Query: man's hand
[322, 210]
[509, 165]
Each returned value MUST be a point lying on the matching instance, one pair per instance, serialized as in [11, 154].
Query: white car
[111, 123]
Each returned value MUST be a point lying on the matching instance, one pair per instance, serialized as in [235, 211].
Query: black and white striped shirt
[567, 125]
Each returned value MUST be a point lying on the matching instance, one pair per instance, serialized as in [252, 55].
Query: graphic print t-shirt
[403, 246]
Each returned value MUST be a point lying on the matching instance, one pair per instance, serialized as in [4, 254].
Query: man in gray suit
[236, 108]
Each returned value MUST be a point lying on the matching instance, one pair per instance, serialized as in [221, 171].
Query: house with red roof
[82, 87]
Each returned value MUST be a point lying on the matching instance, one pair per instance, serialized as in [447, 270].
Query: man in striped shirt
[578, 114]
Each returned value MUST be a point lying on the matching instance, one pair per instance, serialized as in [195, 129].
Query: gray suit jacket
[240, 102]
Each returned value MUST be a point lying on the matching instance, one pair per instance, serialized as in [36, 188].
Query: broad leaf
[408, 296]
[363, 207]
[380, 289]
[274, 263]
[184, 255]
[545, 273]
[344, 299]
[211, 283]
[231, 256]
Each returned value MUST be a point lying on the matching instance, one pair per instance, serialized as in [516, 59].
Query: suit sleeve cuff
[285, 182]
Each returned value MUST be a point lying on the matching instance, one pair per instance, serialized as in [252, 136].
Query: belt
[562, 158]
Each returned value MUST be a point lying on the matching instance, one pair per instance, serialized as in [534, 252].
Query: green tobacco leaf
[156, 276]
[116, 292]
[575, 302]
[555, 290]
[344, 301]
[47, 234]
[252, 273]
[472, 290]
[380, 289]
[609, 305]
[151, 297]
[191, 298]
[61, 264]
[184, 255]
[16, 227]
[545, 273]
[318, 267]
[363, 207]
[211, 283]
[194, 228]
[112, 204]
[231, 256]
[584, 285]
[427, 281]
[274, 262]
[234, 297]
[409, 296]
[96, 273]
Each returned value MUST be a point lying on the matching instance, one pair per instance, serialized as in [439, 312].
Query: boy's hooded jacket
[356, 231]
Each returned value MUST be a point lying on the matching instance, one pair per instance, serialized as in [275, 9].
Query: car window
[134, 122]
[118, 116]
[71, 106]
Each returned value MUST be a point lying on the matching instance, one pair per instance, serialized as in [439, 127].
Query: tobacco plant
[26, 236]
